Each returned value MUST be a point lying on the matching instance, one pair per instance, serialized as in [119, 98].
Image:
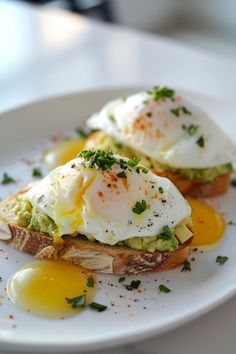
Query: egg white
[150, 127]
[99, 204]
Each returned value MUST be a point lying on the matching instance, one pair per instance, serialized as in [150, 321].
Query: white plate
[132, 315]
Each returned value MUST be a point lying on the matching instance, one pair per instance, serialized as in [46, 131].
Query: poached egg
[108, 198]
[167, 127]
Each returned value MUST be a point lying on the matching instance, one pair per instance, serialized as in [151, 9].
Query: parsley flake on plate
[133, 285]
[97, 307]
[85, 133]
[36, 172]
[186, 266]
[121, 279]
[164, 289]
[76, 302]
[82, 133]
[221, 259]
[7, 179]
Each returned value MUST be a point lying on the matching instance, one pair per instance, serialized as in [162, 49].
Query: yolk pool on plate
[63, 152]
[208, 224]
[42, 286]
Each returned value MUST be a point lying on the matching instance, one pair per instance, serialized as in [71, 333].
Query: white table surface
[50, 52]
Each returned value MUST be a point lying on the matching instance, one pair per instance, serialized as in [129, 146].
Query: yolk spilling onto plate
[42, 288]
[63, 152]
[208, 224]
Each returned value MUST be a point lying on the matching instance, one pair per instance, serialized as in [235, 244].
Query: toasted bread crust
[197, 188]
[94, 256]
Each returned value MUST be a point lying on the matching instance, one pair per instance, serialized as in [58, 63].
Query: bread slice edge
[95, 256]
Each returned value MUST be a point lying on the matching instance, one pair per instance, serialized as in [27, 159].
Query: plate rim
[141, 333]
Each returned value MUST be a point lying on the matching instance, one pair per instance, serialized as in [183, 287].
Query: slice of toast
[197, 188]
[94, 256]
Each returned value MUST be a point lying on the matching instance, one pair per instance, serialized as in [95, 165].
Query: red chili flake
[56, 138]
[114, 177]
[28, 162]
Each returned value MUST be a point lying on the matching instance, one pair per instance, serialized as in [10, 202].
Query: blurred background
[206, 24]
[47, 49]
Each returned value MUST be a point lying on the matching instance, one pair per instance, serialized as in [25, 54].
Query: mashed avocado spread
[99, 140]
[22, 212]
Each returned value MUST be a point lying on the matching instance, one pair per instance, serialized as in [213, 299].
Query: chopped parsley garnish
[82, 133]
[133, 162]
[149, 114]
[99, 159]
[7, 179]
[133, 285]
[97, 307]
[221, 259]
[231, 223]
[143, 169]
[233, 182]
[36, 172]
[191, 129]
[85, 133]
[105, 160]
[164, 289]
[76, 302]
[90, 282]
[201, 141]
[166, 233]
[160, 93]
[112, 118]
[121, 279]
[140, 207]
[121, 174]
[161, 190]
[177, 111]
[186, 266]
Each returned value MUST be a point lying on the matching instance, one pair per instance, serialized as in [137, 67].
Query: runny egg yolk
[208, 224]
[63, 152]
[42, 287]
